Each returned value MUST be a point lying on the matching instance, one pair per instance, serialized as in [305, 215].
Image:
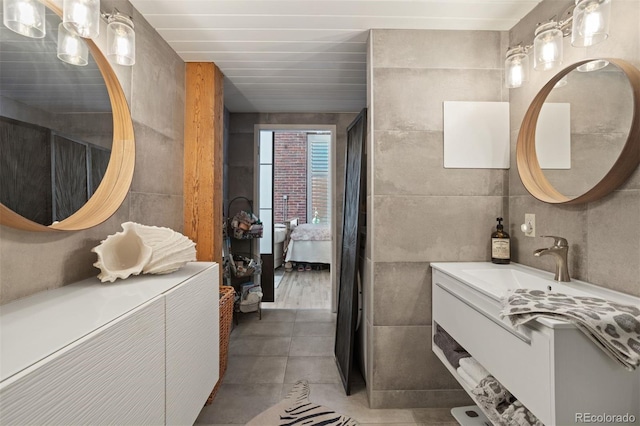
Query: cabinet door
[193, 354]
[114, 375]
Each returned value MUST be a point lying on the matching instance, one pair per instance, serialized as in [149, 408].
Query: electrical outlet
[529, 226]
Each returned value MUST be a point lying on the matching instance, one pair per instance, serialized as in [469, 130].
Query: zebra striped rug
[296, 409]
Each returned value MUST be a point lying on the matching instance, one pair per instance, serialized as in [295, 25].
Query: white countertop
[37, 326]
[464, 271]
[493, 281]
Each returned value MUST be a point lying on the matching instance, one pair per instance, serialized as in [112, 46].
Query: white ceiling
[306, 55]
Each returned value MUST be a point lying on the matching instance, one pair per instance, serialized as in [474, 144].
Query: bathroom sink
[495, 281]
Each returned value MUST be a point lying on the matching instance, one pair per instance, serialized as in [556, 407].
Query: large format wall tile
[418, 229]
[402, 293]
[411, 99]
[241, 149]
[569, 222]
[159, 172]
[403, 360]
[37, 261]
[453, 49]
[411, 163]
[157, 210]
[614, 241]
[158, 88]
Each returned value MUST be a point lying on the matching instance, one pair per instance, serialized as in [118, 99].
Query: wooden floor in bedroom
[302, 290]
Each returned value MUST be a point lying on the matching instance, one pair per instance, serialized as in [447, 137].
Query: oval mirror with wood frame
[625, 100]
[116, 178]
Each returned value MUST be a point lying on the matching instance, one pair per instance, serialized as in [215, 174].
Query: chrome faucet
[559, 250]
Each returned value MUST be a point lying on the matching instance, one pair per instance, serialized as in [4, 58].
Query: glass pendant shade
[547, 47]
[121, 40]
[71, 48]
[24, 17]
[82, 17]
[516, 68]
[594, 65]
[590, 22]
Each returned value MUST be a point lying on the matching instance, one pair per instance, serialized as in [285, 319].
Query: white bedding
[310, 243]
[309, 251]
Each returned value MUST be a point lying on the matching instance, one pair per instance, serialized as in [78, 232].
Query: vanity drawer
[520, 361]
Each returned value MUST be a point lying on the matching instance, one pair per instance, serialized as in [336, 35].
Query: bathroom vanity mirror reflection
[602, 133]
[64, 133]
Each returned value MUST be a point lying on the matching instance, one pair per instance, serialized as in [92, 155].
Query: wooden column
[203, 142]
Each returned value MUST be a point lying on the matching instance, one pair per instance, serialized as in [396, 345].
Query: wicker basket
[227, 298]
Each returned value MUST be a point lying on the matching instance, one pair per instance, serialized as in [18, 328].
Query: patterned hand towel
[474, 369]
[613, 327]
[518, 414]
[490, 392]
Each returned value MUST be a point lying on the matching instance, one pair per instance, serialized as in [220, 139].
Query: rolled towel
[474, 369]
[252, 297]
[466, 378]
[450, 348]
[490, 392]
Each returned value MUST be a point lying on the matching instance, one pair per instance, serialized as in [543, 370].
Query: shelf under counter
[536, 362]
[441, 356]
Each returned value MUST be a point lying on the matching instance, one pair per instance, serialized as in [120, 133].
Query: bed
[309, 243]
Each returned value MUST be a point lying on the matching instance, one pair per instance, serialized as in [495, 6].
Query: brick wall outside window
[290, 175]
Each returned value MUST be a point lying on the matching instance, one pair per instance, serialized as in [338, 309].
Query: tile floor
[266, 357]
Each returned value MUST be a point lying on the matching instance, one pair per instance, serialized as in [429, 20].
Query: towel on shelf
[451, 349]
[474, 369]
[613, 327]
[466, 378]
[491, 392]
[518, 414]
[509, 412]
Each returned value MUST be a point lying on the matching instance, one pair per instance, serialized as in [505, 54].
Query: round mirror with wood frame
[119, 173]
[627, 161]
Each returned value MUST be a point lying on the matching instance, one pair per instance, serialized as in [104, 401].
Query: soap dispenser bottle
[500, 245]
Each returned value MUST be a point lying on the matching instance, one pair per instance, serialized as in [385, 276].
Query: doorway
[295, 181]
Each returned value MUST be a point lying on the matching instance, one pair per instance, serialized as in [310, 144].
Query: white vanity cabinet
[550, 366]
[139, 351]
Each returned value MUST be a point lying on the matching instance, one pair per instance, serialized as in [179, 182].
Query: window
[319, 177]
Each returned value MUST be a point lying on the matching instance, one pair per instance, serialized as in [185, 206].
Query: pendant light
[595, 65]
[516, 67]
[25, 17]
[590, 22]
[71, 48]
[82, 17]
[121, 39]
[547, 46]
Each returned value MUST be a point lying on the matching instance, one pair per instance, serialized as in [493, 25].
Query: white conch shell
[156, 250]
[121, 255]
